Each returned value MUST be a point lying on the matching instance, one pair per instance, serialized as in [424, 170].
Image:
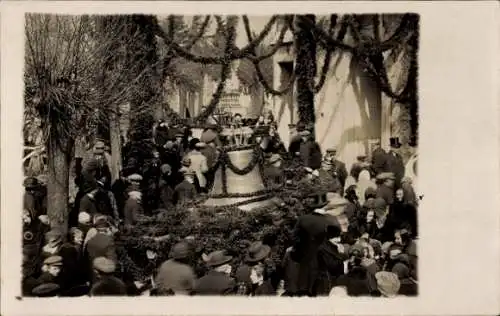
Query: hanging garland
[256, 61]
[234, 53]
[369, 54]
[330, 50]
[225, 71]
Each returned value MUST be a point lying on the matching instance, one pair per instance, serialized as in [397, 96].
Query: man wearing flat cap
[338, 168]
[217, 281]
[106, 283]
[185, 192]
[103, 243]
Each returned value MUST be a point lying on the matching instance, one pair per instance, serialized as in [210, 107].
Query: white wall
[347, 107]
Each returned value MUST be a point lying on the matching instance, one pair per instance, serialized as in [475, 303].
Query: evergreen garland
[210, 229]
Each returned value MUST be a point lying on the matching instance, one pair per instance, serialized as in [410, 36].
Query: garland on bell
[224, 162]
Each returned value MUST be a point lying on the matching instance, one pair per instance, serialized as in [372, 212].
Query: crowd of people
[357, 236]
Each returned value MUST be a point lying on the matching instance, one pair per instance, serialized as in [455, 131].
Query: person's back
[215, 283]
[109, 286]
[101, 245]
[175, 276]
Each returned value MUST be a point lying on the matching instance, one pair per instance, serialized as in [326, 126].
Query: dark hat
[53, 261]
[46, 290]
[257, 252]
[104, 265]
[369, 204]
[165, 168]
[394, 141]
[179, 134]
[217, 258]
[370, 192]
[379, 203]
[401, 270]
[413, 141]
[361, 157]
[91, 164]
[31, 183]
[261, 130]
[331, 150]
[319, 200]
[180, 250]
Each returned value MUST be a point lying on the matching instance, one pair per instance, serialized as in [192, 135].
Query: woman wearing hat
[252, 276]
[217, 281]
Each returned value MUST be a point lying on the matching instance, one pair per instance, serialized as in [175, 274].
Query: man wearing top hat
[395, 162]
[217, 281]
[310, 232]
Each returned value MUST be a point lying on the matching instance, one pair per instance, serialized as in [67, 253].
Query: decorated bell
[238, 180]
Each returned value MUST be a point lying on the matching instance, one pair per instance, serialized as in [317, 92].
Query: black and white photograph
[249, 158]
[220, 155]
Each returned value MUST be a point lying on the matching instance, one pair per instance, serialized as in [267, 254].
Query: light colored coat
[199, 165]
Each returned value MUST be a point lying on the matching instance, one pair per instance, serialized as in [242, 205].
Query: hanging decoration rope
[235, 53]
[256, 61]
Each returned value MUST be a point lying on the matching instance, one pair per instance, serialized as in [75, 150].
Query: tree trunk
[58, 184]
[305, 67]
[116, 149]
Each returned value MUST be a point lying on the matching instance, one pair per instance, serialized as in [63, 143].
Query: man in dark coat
[106, 283]
[395, 162]
[310, 151]
[385, 187]
[165, 188]
[338, 168]
[217, 281]
[185, 192]
[310, 232]
[102, 244]
[294, 147]
[273, 173]
[379, 159]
